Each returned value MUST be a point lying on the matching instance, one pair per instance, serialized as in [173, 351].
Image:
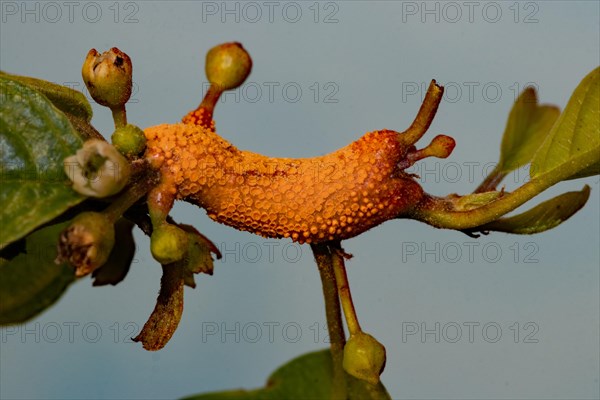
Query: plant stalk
[337, 337]
[343, 287]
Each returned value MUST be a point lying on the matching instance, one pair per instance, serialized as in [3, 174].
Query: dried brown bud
[87, 242]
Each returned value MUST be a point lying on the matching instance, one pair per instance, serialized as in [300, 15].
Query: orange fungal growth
[310, 200]
[336, 196]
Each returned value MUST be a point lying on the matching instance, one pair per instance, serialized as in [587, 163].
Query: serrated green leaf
[306, 377]
[31, 282]
[35, 137]
[575, 135]
[544, 216]
[528, 125]
[67, 100]
[199, 255]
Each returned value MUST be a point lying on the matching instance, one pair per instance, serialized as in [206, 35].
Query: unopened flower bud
[228, 65]
[129, 140]
[97, 169]
[168, 244]
[364, 357]
[87, 242]
[108, 77]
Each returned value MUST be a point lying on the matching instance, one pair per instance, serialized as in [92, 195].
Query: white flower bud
[97, 169]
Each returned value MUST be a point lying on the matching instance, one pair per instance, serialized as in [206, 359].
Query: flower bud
[108, 77]
[87, 242]
[168, 244]
[97, 169]
[228, 65]
[364, 357]
[129, 140]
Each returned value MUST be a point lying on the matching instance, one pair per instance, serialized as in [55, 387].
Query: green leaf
[527, 127]
[198, 258]
[306, 377]
[571, 150]
[67, 100]
[30, 282]
[34, 140]
[575, 135]
[544, 216]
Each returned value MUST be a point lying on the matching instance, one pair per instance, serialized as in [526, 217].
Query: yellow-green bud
[228, 65]
[364, 357]
[108, 77]
[129, 140]
[168, 244]
[87, 242]
[97, 169]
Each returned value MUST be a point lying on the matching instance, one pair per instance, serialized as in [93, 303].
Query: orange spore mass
[332, 197]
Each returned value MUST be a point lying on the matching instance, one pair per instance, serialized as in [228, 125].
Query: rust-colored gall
[333, 197]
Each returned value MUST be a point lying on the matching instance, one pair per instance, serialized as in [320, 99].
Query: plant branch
[438, 212]
[119, 115]
[425, 116]
[337, 338]
[143, 179]
[343, 288]
[491, 181]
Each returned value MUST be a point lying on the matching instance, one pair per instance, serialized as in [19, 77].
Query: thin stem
[119, 115]
[425, 116]
[143, 182]
[438, 212]
[343, 288]
[491, 181]
[203, 114]
[337, 338]
[210, 99]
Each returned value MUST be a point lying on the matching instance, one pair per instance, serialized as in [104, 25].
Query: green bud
[228, 65]
[168, 244]
[364, 357]
[129, 140]
[108, 77]
[87, 242]
[97, 169]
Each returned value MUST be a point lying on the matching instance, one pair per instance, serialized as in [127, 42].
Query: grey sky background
[514, 316]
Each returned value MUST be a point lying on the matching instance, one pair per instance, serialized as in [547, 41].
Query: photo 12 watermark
[468, 91]
[70, 332]
[53, 12]
[469, 332]
[453, 12]
[270, 12]
[267, 252]
[280, 92]
[263, 332]
[470, 252]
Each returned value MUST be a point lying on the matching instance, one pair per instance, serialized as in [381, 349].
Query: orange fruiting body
[336, 196]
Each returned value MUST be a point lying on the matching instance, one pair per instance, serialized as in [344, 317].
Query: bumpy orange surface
[336, 196]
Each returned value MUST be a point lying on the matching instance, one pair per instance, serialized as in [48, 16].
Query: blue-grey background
[371, 62]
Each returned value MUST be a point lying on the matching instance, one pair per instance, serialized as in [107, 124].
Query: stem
[438, 212]
[425, 116]
[337, 338]
[203, 114]
[343, 288]
[141, 186]
[119, 115]
[210, 99]
[491, 181]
